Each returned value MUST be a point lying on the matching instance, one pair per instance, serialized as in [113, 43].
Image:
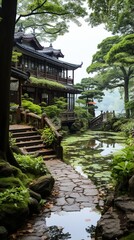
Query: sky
[79, 45]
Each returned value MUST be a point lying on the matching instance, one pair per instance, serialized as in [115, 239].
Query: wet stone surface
[72, 192]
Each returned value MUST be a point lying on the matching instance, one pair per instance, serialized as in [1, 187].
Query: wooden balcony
[68, 117]
[39, 74]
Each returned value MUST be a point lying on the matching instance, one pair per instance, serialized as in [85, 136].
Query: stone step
[26, 138]
[48, 157]
[42, 152]
[29, 143]
[20, 129]
[34, 147]
[23, 134]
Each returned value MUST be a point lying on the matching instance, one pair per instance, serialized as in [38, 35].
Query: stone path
[72, 192]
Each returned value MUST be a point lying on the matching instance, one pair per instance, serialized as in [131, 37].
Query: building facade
[50, 77]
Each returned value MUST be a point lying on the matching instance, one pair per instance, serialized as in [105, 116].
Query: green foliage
[123, 163]
[46, 83]
[12, 141]
[113, 67]
[16, 196]
[32, 107]
[129, 237]
[60, 103]
[117, 16]
[57, 108]
[49, 19]
[15, 56]
[29, 164]
[52, 111]
[128, 127]
[48, 136]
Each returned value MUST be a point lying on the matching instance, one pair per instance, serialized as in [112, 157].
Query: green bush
[16, 196]
[128, 127]
[31, 107]
[123, 163]
[52, 111]
[29, 164]
[48, 136]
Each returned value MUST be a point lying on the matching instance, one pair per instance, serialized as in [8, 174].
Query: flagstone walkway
[72, 192]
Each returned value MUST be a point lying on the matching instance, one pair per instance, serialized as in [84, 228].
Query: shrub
[16, 196]
[31, 107]
[48, 136]
[123, 164]
[128, 127]
[29, 164]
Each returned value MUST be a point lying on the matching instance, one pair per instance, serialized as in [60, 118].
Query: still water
[90, 154]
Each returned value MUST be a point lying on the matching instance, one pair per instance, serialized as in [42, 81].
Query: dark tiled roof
[44, 57]
[18, 74]
[29, 45]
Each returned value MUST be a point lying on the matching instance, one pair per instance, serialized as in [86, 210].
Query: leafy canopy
[48, 18]
[117, 15]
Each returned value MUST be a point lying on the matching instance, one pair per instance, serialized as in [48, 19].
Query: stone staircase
[29, 141]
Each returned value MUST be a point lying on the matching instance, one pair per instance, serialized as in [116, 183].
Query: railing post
[26, 116]
[18, 115]
[43, 120]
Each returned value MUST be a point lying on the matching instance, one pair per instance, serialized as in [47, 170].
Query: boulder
[3, 233]
[43, 185]
[13, 218]
[131, 187]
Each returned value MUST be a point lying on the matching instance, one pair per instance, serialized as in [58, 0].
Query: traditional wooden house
[49, 76]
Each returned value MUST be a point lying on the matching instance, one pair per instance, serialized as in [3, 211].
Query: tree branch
[38, 13]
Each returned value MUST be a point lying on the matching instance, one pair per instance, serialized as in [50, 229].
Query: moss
[10, 182]
[46, 83]
[129, 237]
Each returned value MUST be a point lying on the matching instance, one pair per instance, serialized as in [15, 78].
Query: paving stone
[83, 199]
[90, 192]
[60, 201]
[70, 200]
[71, 208]
[74, 195]
[66, 188]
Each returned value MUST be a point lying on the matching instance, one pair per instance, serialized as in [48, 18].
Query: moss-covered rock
[43, 185]
[3, 233]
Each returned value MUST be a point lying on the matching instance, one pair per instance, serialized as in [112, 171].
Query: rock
[125, 204]
[43, 185]
[5, 169]
[33, 206]
[35, 195]
[13, 218]
[131, 187]
[3, 233]
[108, 227]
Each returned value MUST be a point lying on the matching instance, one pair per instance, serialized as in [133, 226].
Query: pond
[90, 154]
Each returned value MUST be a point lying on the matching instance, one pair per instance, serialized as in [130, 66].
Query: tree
[48, 19]
[91, 90]
[114, 64]
[7, 24]
[117, 15]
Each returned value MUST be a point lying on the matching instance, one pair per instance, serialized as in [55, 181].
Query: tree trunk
[126, 96]
[7, 25]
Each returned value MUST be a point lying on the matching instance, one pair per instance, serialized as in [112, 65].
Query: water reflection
[91, 154]
[75, 223]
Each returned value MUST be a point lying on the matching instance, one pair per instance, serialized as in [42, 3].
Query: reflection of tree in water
[95, 144]
[56, 233]
[91, 230]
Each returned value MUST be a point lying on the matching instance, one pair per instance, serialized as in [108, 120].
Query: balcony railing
[35, 73]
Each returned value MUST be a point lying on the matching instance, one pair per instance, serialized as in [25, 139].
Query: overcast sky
[79, 45]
